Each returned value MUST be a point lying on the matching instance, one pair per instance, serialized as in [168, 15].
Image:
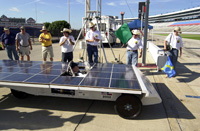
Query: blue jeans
[92, 51]
[173, 55]
[67, 57]
[132, 58]
[11, 49]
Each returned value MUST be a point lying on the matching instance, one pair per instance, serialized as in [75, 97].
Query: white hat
[43, 28]
[5, 28]
[177, 29]
[66, 30]
[91, 24]
[135, 32]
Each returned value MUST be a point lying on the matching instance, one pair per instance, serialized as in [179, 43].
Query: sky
[53, 10]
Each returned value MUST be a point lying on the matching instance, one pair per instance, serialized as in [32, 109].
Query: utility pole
[68, 12]
[35, 12]
[145, 31]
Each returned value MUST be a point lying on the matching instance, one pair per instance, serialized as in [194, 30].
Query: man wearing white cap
[92, 37]
[67, 44]
[23, 44]
[133, 45]
[45, 39]
[176, 44]
[8, 43]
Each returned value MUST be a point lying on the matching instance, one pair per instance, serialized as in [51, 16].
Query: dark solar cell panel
[95, 82]
[8, 63]
[124, 75]
[57, 67]
[100, 69]
[51, 72]
[106, 65]
[125, 84]
[30, 70]
[11, 69]
[4, 75]
[98, 74]
[122, 69]
[17, 77]
[67, 80]
[42, 66]
[42, 79]
[119, 66]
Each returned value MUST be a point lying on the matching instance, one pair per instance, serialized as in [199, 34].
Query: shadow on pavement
[42, 119]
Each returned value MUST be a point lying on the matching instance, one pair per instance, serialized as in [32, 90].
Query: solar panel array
[115, 76]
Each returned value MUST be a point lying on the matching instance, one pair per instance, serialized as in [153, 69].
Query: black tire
[128, 106]
[19, 94]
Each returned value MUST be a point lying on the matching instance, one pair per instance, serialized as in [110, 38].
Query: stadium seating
[187, 27]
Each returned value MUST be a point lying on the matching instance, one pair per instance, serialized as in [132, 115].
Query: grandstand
[188, 20]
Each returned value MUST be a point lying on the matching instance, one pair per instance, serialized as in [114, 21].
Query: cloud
[81, 1]
[42, 12]
[15, 9]
[111, 4]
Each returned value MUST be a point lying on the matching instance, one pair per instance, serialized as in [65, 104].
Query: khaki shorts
[24, 50]
[47, 51]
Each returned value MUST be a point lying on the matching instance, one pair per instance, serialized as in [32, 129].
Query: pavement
[178, 111]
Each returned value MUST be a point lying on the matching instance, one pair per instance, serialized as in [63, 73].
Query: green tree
[56, 26]
[47, 24]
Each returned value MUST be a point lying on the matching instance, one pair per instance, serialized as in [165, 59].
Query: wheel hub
[128, 107]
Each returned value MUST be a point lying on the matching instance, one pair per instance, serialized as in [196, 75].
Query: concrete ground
[176, 112]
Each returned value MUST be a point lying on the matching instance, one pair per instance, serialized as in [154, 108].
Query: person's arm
[2, 42]
[71, 40]
[62, 41]
[140, 55]
[30, 44]
[180, 51]
[166, 41]
[98, 38]
[88, 38]
[40, 38]
[2, 45]
[29, 41]
[17, 42]
[49, 38]
[165, 45]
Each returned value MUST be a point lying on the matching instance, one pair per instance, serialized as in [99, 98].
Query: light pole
[68, 12]
[122, 17]
[145, 31]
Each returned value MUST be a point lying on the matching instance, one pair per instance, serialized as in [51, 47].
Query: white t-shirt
[67, 46]
[90, 34]
[176, 41]
[134, 44]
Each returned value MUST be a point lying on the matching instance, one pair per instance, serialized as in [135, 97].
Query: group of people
[21, 44]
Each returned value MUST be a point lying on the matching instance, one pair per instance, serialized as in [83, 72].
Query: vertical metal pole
[69, 12]
[101, 43]
[35, 12]
[87, 7]
[145, 32]
[142, 13]
[122, 17]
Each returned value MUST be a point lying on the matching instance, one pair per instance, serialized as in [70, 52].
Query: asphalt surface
[66, 114]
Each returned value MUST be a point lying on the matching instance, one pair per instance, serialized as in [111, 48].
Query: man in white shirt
[92, 38]
[133, 45]
[176, 44]
[67, 43]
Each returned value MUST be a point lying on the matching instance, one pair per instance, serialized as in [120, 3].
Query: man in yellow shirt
[45, 39]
